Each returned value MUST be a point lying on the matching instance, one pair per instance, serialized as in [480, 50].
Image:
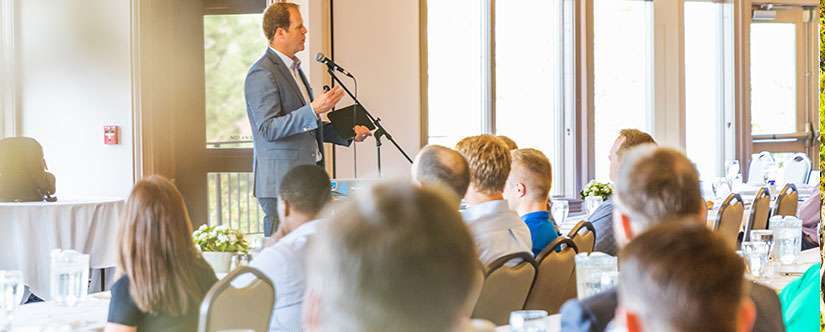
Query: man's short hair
[277, 16]
[535, 167]
[633, 138]
[396, 258]
[510, 143]
[656, 185]
[489, 161]
[444, 166]
[306, 188]
[682, 277]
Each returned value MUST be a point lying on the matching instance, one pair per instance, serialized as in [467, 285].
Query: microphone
[323, 59]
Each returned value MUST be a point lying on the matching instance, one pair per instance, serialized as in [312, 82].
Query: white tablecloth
[89, 315]
[788, 273]
[553, 324]
[29, 231]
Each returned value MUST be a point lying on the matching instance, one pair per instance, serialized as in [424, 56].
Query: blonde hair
[633, 138]
[535, 166]
[510, 143]
[157, 253]
[489, 161]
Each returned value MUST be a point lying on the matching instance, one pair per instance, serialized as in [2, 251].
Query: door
[784, 86]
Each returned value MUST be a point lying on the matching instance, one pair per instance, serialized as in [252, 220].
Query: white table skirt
[29, 231]
[89, 315]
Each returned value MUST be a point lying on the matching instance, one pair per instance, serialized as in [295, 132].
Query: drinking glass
[787, 237]
[756, 257]
[239, 260]
[560, 209]
[11, 288]
[591, 203]
[721, 188]
[764, 235]
[731, 169]
[69, 274]
[595, 273]
[528, 321]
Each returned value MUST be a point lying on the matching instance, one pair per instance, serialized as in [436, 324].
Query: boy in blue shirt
[526, 191]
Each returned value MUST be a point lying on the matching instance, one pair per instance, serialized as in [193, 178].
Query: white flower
[232, 238]
[223, 238]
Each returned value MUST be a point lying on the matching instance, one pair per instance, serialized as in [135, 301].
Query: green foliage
[231, 44]
[220, 239]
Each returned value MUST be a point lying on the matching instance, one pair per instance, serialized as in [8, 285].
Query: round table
[30, 231]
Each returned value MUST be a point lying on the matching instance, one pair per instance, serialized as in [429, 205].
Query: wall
[74, 66]
[378, 41]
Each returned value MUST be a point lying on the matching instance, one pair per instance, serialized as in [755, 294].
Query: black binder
[344, 119]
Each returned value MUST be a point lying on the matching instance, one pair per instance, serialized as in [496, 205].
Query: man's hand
[326, 101]
[361, 133]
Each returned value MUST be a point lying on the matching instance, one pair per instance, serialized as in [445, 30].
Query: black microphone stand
[380, 132]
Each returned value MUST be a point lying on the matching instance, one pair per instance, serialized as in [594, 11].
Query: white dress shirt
[285, 264]
[294, 66]
[497, 230]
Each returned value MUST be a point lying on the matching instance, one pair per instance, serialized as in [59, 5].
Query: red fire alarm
[111, 135]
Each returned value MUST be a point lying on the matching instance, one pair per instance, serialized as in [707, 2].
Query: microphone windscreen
[320, 57]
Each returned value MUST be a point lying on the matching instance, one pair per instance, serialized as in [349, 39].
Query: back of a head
[656, 185]
[397, 258]
[489, 161]
[509, 142]
[157, 252]
[632, 139]
[306, 188]
[682, 277]
[534, 167]
[440, 165]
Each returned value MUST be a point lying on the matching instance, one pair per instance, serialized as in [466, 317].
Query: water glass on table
[528, 321]
[591, 203]
[764, 235]
[560, 209]
[11, 289]
[756, 257]
[69, 274]
[595, 273]
[787, 233]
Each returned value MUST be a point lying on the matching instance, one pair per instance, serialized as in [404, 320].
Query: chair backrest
[584, 235]
[505, 288]
[556, 276]
[730, 218]
[813, 179]
[475, 292]
[797, 169]
[787, 201]
[759, 166]
[228, 308]
[760, 211]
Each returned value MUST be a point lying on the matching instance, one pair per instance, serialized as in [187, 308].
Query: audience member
[602, 218]
[683, 278]
[657, 186]
[810, 211]
[397, 259]
[164, 278]
[526, 191]
[497, 230]
[304, 192]
[439, 165]
[511, 144]
[800, 301]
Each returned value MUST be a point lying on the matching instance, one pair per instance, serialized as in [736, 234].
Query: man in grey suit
[286, 126]
[655, 186]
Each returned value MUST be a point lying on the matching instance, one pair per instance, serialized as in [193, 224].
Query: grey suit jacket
[285, 130]
[602, 220]
[594, 313]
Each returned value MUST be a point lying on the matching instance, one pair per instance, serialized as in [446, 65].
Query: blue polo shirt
[542, 229]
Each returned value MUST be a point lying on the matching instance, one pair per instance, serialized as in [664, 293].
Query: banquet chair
[729, 220]
[759, 166]
[475, 292]
[813, 179]
[797, 170]
[556, 276]
[584, 235]
[787, 201]
[226, 307]
[505, 288]
[760, 211]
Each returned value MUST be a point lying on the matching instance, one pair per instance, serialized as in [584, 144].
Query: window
[528, 72]
[622, 73]
[704, 86]
[773, 78]
[457, 56]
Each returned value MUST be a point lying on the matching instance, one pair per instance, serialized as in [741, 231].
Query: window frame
[9, 112]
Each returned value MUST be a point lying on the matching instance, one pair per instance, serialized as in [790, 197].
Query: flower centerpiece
[218, 244]
[594, 194]
[597, 189]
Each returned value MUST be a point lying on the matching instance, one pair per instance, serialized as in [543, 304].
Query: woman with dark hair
[164, 278]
